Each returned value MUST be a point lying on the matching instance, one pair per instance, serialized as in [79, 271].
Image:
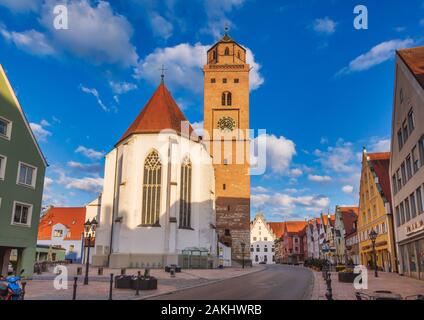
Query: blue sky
[321, 88]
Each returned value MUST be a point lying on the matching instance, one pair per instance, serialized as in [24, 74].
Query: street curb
[198, 285]
[309, 295]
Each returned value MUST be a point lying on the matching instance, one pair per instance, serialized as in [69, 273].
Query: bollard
[100, 271]
[329, 293]
[23, 290]
[74, 294]
[172, 272]
[137, 291]
[123, 271]
[111, 286]
[79, 271]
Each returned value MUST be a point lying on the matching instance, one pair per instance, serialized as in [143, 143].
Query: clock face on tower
[226, 124]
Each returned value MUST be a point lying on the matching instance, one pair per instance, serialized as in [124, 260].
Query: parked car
[262, 262]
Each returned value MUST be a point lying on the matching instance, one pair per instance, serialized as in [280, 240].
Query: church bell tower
[226, 123]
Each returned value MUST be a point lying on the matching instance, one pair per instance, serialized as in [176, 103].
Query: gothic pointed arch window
[227, 51]
[185, 194]
[227, 98]
[152, 181]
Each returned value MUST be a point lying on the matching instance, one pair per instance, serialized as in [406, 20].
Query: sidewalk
[386, 281]
[41, 286]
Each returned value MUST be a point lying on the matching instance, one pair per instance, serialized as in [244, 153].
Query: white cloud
[348, 189]
[85, 184]
[160, 26]
[286, 202]
[325, 25]
[184, 63]
[40, 132]
[198, 128]
[216, 11]
[279, 153]
[381, 145]
[90, 153]
[95, 32]
[259, 189]
[339, 158]
[317, 178]
[296, 172]
[96, 94]
[20, 5]
[122, 87]
[47, 182]
[85, 167]
[377, 55]
[30, 41]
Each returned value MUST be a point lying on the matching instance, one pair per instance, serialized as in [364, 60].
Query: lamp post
[243, 246]
[89, 231]
[373, 236]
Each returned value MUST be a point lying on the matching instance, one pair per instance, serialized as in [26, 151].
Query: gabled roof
[21, 111]
[71, 218]
[349, 215]
[277, 228]
[226, 39]
[295, 226]
[380, 164]
[414, 60]
[160, 113]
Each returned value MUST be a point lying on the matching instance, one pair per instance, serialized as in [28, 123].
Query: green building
[22, 170]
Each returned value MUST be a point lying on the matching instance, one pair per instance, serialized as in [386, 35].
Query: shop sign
[415, 227]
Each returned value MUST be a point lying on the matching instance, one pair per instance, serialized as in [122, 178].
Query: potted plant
[146, 282]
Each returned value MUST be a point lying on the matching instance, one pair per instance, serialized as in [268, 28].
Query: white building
[158, 194]
[262, 237]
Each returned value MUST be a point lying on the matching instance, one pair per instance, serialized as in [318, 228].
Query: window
[265, 239]
[402, 214]
[415, 160]
[213, 80]
[399, 180]
[3, 160]
[421, 143]
[224, 80]
[236, 80]
[227, 98]
[258, 249]
[413, 206]
[256, 258]
[5, 128]
[409, 167]
[254, 238]
[403, 171]
[394, 184]
[420, 204]
[224, 187]
[22, 214]
[411, 121]
[405, 132]
[185, 194]
[266, 249]
[26, 175]
[227, 51]
[58, 234]
[251, 249]
[152, 181]
[400, 139]
[227, 233]
[407, 210]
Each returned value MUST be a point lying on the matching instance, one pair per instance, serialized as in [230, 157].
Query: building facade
[22, 170]
[63, 228]
[345, 219]
[352, 245]
[226, 118]
[292, 242]
[158, 197]
[262, 240]
[407, 161]
[375, 212]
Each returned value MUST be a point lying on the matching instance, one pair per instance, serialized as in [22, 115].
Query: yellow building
[375, 212]
[226, 121]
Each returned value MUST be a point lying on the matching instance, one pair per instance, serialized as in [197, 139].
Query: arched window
[227, 51]
[227, 98]
[151, 190]
[185, 194]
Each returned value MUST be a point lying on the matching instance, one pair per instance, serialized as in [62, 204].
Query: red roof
[414, 59]
[160, 113]
[277, 228]
[295, 226]
[72, 218]
[380, 163]
[349, 216]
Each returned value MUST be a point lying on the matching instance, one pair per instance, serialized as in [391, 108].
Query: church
[165, 191]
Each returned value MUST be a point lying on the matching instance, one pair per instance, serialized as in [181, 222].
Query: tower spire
[162, 74]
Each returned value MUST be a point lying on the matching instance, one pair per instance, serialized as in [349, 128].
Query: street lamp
[89, 231]
[243, 246]
[373, 236]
